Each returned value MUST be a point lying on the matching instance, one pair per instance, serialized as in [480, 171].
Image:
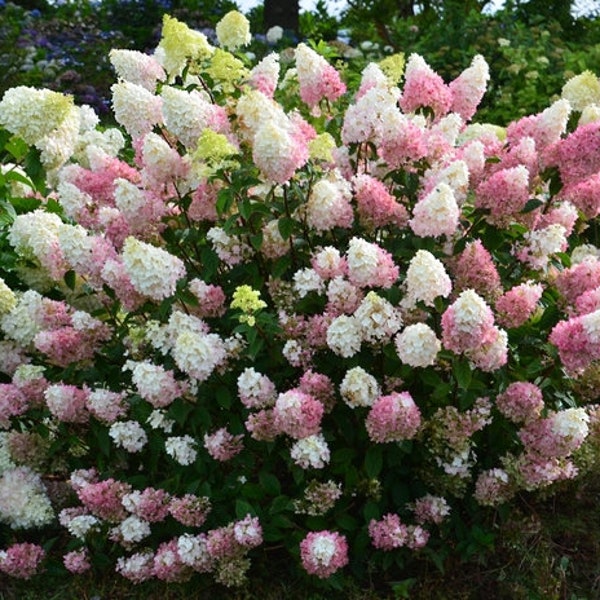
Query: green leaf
[70, 279]
[346, 521]
[531, 205]
[243, 508]
[374, 461]
[279, 505]
[286, 226]
[463, 374]
[269, 483]
[223, 396]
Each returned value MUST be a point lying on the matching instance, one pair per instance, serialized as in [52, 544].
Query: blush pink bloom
[431, 509]
[424, 88]
[222, 445]
[104, 499]
[323, 553]
[255, 390]
[211, 299]
[516, 305]
[588, 302]
[401, 141]
[150, 504]
[585, 195]
[319, 386]
[22, 560]
[376, 206]
[580, 278]
[475, 269]
[317, 78]
[77, 561]
[298, 414]
[468, 323]
[370, 265]
[190, 510]
[136, 568]
[393, 418]
[504, 194]
[578, 341]
[492, 487]
[388, 533]
[261, 425]
[578, 155]
[12, 403]
[522, 401]
[469, 87]
[167, 564]
[203, 206]
[106, 406]
[67, 403]
[265, 74]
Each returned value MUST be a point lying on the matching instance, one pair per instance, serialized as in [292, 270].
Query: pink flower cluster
[323, 553]
[22, 560]
[390, 533]
[393, 418]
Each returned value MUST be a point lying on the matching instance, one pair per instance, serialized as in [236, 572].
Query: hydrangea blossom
[323, 553]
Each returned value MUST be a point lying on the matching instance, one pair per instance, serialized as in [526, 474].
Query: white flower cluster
[128, 435]
[426, 279]
[377, 318]
[359, 388]
[307, 280]
[131, 530]
[49, 120]
[417, 345]
[311, 452]
[35, 234]
[153, 271]
[182, 449]
[344, 336]
[437, 213]
[24, 503]
[24, 321]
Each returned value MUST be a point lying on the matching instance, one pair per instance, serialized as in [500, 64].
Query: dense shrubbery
[285, 310]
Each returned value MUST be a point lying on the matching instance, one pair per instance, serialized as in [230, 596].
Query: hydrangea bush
[276, 317]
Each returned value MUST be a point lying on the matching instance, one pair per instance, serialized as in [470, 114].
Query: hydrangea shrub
[272, 312]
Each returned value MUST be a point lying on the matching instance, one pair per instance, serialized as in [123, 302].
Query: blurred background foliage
[532, 46]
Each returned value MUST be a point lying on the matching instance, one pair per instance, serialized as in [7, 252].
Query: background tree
[284, 13]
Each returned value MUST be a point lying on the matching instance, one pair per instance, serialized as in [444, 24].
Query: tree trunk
[285, 13]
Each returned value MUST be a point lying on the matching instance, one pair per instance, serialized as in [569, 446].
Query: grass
[549, 549]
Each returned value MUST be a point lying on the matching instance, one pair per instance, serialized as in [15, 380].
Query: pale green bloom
[214, 147]
[582, 90]
[321, 147]
[7, 298]
[249, 302]
[179, 44]
[33, 114]
[393, 67]
[225, 69]
[233, 30]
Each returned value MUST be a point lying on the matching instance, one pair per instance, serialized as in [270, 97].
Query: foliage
[321, 309]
